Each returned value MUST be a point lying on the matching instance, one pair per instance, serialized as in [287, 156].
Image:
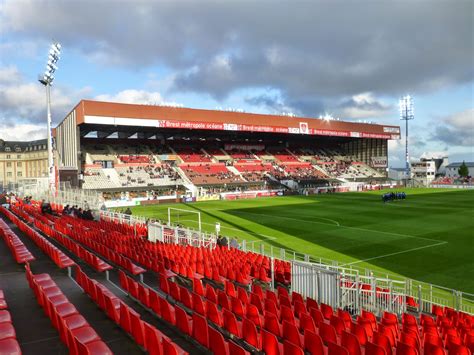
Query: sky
[350, 59]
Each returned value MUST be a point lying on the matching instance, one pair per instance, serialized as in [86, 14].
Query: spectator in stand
[66, 210]
[234, 243]
[128, 211]
[224, 242]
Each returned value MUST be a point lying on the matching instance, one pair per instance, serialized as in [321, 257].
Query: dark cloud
[316, 50]
[456, 129]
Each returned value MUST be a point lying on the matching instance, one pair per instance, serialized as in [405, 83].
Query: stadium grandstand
[125, 294]
[147, 151]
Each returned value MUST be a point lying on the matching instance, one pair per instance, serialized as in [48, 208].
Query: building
[22, 160]
[423, 171]
[452, 169]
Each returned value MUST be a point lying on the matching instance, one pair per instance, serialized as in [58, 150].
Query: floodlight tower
[47, 80]
[407, 114]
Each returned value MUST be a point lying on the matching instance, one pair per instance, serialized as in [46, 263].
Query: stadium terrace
[116, 148]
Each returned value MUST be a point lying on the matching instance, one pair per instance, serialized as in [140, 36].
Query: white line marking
[335, 223]
[237, 230]
[341, 226]
[391, 254]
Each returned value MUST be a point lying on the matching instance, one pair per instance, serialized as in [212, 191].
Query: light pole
[406, 114]
[47, 80]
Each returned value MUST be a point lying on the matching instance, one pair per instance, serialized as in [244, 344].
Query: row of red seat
[59, 258]
[97, 263]
[101, 249]
[193, 325]
[8, 342]
[73, 328]
[178, 257]
[144, 334]
[19, 250]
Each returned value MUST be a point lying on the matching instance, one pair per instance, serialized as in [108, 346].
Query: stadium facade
[115, 147]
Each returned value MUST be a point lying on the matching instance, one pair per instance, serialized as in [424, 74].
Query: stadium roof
[469, 164]
[119, 114]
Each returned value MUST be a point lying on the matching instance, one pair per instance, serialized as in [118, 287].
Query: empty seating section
[8, 342]
[54, 253]
[73, 328]
[16, 246]
[192, 155]
[215, 173]
[144, 334]
[222, 299]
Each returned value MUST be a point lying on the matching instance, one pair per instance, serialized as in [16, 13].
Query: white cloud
[22, 132]
[132, 96]
[456, 129]
[25, 101]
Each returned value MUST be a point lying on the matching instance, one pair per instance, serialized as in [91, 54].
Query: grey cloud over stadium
[345, 57]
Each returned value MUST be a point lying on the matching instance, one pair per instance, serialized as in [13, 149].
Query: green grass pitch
[427, 237]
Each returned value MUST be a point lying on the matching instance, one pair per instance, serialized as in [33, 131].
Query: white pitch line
[335, 223]
[235, 229]
[341, 226]
[397, 253]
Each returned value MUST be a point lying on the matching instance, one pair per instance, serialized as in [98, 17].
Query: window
[9, 164]
[9, 174]
[18, 164]
[18, 156]
[19, 174]
[7, 149]
[8, 155]
[17, 149]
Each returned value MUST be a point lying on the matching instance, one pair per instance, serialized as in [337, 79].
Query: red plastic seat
[311, 303]
[327, 333]
[327, 311]
[217, 343]
[405, 349]
[383, 341]
[94, 348]
[7, 331]
[253, 315]
[431, 349]
[250, 333]
[223, 300]
[235, 349]
[10, 346]
[152, 339]
[271, 324]
[313, 343]
[334, 349]
[291, 333]
[307, 323]
[270, 306]
[230, 323]
[317, 316]
[237, 307]
[359, 332]
[456, 349]
[270, 344]
[138, 331]
[338, 324]
[199, 305]
[372, 349]
[291, 349]
[5, 316]
[183, 322]
[167, 312]
[185, 297]
[200, 329]
[169, 348]
[351, 343]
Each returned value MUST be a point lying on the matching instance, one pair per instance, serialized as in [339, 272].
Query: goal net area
[187, 218]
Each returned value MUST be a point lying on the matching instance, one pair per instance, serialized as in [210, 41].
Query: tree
[463, 171]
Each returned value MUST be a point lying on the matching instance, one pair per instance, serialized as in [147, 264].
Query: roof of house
[21, 146]
[469, 164]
